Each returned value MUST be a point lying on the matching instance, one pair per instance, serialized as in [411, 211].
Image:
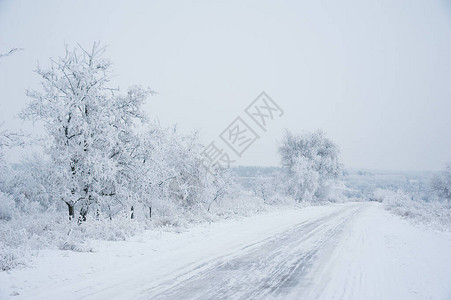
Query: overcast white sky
[375, 75]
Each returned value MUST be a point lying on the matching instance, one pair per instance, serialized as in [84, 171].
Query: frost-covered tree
[7, 140]
[7, 203]
[149, 172]
[90, 126]
[312, 164]
[2, 153]
[269, 187]
[174, 169]
[3, 166]
[441, 183]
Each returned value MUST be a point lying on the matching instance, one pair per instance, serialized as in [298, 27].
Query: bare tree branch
[10, 52]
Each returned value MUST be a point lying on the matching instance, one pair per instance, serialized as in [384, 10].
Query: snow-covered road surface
[274, 266]
[345, 251]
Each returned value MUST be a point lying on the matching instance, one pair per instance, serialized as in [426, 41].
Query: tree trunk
[150, 212]
[71, 211]
[83, 214]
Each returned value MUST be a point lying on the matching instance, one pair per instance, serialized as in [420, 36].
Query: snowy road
[347, 251]
[272, 267]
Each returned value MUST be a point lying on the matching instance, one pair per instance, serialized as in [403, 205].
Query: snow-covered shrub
[311, 163]
[31, 185]
[264, 187]
[432, 213]
[397, 201]
[271, 188]
[25, 234]
[337, 192]
[441, 184]
[242, 205]
[7, 206]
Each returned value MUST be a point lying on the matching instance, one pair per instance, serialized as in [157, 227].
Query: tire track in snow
[270, 268]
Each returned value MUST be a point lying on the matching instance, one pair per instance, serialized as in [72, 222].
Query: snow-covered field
[340, 251]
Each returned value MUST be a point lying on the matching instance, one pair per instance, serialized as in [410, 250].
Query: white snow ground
[343, 251]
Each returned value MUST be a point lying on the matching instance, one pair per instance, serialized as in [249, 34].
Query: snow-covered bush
[312, 165]
[271, 188]
[432, 213]
[337, 191]
[7, 206]
[441, 184]
[24, 235]
[31, 184]
[4, 142]
[265, 187]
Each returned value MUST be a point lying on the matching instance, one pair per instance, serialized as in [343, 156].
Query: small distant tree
[90, 126]
[441, 184]
[311, 164]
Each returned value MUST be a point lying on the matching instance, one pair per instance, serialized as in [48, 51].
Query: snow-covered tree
[441, 183]
[90, 126]
[2, 153]
[7, 140]
[311, 162]
[269, 187]
[97, 158]
[3, 166]
[173, 166]
[7, 179]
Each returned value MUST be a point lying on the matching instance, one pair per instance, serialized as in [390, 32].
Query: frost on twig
[13, 50]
